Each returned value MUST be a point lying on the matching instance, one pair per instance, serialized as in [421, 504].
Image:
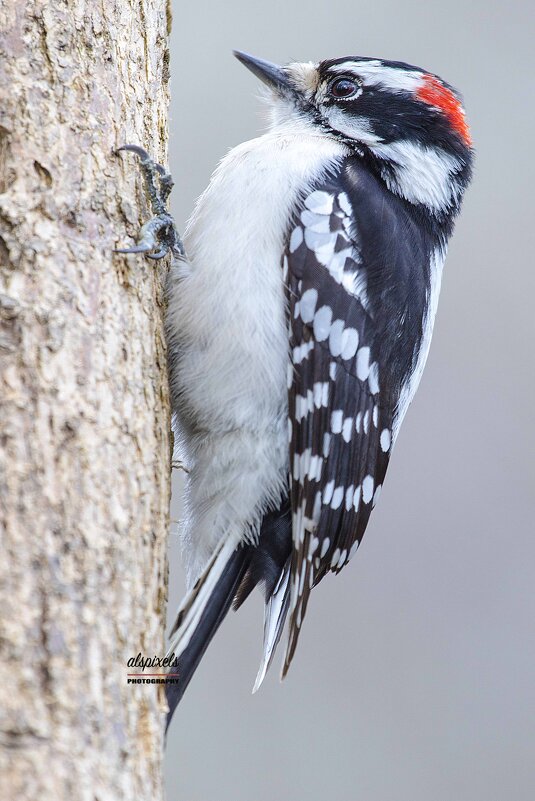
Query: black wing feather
[357, 272]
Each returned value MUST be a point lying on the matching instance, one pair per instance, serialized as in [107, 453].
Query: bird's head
[409, 122]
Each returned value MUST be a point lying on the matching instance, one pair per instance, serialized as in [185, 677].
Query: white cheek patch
[354, 127]
[421, 174]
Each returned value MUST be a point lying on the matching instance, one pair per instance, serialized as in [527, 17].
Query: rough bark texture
[84, 412]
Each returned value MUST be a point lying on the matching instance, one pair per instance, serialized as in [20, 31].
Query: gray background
[414, 676]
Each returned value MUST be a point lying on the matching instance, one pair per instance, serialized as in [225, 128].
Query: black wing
[357, 272]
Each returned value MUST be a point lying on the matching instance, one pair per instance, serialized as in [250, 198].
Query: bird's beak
[271, 74]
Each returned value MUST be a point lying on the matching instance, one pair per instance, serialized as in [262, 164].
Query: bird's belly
[232, 318]
[233, 359]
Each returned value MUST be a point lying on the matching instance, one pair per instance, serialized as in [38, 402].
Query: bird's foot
[158, 236]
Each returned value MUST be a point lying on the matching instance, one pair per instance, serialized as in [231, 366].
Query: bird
[301, 304]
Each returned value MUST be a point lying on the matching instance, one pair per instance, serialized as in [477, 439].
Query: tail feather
[231, 574]
[195, 601]
[202, 613]
[270, 566]
[275, 613]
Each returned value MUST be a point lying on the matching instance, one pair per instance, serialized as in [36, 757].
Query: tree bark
[84, 409]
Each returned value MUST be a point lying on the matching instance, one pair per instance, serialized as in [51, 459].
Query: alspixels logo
[167, 676]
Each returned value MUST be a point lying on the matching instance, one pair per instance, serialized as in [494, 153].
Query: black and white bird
[299, 323]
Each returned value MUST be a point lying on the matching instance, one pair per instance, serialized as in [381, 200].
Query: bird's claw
[159, 235]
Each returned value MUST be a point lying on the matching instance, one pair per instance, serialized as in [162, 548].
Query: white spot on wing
[356, 499]
[328, 493]
[320, 202]
[303, 405]
[314, 470]
[337, 262]
[338, 497]
[307, 305]
[301, 351]
[322, 323]
[350, 343]
[367, 489]
[336, 337]
[385, 439]
[336, 421]
[322, 244]
[321, 394]
[295, 239]
[304, 464]
[363, 363]
[314, 542]
[315, 240]
[373, 378]
[315, 222]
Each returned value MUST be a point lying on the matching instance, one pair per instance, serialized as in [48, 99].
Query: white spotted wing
[340, 406]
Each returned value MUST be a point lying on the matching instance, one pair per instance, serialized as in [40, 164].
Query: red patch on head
[436, 94]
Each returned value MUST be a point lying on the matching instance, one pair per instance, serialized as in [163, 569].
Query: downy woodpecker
[300, 312]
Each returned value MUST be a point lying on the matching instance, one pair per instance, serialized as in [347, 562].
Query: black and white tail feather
[228, 579]
[201, 614]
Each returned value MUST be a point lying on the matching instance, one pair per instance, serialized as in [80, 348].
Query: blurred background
[415, 674]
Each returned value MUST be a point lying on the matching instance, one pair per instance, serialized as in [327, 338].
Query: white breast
[227, 320]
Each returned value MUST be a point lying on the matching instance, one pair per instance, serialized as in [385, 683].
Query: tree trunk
[84, 410]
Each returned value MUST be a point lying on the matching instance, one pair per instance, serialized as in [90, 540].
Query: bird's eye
[343, 88]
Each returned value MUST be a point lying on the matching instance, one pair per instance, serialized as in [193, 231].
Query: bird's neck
[430, 179]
